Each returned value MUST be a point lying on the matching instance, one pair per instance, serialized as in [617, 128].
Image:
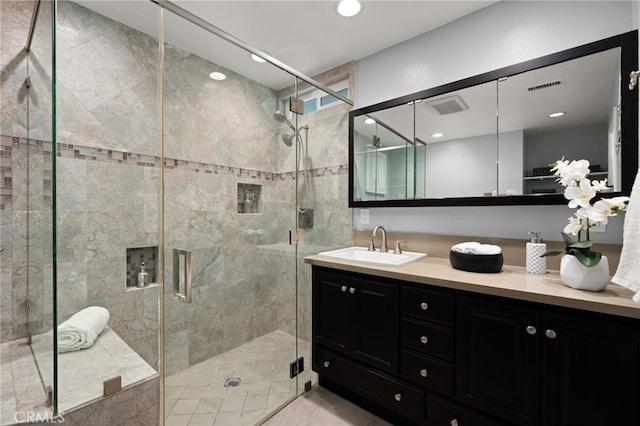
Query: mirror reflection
[460, 131]
[495, 138]
[385, 154]
[570, 109]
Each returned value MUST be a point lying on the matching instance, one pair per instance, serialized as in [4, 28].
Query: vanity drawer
[441, 412]
[428, 338]
[433, 374]
[400, 398]
[427, 304]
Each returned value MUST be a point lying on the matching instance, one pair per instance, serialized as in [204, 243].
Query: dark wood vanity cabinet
[420, 354]
[537, 365]
[498, 359]
[590, 370]
[357, 317]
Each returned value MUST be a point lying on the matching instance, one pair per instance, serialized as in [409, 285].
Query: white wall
[500, 35]
[462, 167]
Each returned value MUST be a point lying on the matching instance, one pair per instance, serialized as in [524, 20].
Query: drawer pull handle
[326, 364]
[343, 288]
[398, 396]
[352, 290]
[550, 334]
[424, 339]
[424, 372]
[531, 330]
[424, 306]
[454, 422]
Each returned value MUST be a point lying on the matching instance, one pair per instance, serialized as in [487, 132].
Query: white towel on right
[474, 247]
[628, 272]
[82, 329]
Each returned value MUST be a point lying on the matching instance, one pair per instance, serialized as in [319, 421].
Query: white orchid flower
[598, 213]
[559, 166]
[580, 195]
[574, 226]
[618, 204]
[574, 173]
[579, 190]
[599, 185]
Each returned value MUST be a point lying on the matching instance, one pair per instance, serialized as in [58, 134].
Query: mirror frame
[628, 42]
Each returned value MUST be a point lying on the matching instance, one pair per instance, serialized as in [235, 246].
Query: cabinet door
[590, 372]
[331, 310]
[374, 323]
[498, 359]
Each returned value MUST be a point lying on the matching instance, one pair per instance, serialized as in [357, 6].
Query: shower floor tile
[21, 388]
[263, 367]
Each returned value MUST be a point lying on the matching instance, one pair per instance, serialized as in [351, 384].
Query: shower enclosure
[141, 157]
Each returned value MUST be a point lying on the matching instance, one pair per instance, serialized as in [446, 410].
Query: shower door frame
[162, 188]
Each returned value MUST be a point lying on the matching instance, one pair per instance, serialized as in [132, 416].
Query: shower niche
[142, 266]
[249, 198]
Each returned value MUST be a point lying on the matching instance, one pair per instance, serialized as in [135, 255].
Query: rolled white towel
[82, 329]
[474, 247]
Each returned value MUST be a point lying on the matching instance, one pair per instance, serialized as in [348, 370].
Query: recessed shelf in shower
[249, 198]
[141, 259]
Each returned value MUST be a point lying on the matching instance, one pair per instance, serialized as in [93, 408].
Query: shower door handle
[182, 260]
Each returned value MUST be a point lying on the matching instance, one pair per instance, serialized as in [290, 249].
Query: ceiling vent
[545, 85]
[448, 105]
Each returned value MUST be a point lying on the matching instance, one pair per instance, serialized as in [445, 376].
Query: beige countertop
[513, 282]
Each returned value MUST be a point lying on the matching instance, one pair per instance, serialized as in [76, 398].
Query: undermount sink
[361, 254]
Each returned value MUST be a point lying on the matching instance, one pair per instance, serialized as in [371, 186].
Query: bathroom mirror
[499, 131]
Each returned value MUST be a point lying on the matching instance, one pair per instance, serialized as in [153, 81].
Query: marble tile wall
[215, 136]
[25, 187]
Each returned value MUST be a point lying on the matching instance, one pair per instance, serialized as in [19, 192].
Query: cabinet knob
[424, 306]
[343, 288]
[424, 339]
[550, 334]
[531, 330]
[424, 372]
[454, 422]
[326, 364]
[352, 290]
[398, 396]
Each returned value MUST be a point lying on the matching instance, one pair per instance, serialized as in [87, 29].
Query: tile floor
[323, 408]
[21, 388]
[197, 395]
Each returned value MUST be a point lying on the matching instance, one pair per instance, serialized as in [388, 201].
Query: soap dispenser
[143, 276]
[536, 248]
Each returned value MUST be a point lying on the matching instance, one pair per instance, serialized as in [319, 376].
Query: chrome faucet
[383, 247]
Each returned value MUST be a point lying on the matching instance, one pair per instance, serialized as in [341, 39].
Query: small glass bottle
[143, 276]
[247, 204]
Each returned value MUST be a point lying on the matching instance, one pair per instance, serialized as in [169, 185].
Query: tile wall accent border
[9, 145]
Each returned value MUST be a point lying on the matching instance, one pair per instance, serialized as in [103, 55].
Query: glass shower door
[229, 311]
[323, 219]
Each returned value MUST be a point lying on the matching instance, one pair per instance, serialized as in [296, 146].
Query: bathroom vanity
[426, 344]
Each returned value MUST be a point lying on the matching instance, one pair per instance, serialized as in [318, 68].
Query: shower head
[281, 118]
[288, 139]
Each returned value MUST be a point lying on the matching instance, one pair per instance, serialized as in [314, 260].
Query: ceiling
[585, 89]
[306, 35]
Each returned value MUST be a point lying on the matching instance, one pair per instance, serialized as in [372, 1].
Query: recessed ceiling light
[217, 76]
[369, 121]
[556, 114]
[257, 58]
[437, 135]
[349, 8]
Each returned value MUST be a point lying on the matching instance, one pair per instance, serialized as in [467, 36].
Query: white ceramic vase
[591, 278]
